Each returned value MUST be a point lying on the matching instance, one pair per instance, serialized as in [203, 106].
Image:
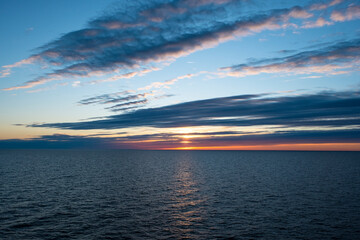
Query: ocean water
[67, 194]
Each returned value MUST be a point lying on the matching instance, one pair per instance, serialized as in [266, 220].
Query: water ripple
[179, 195]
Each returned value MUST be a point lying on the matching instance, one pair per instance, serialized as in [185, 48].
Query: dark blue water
[58, 194]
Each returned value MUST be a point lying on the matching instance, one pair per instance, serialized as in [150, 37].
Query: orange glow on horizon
[284, 147]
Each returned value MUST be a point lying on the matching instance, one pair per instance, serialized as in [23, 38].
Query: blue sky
[180, 74]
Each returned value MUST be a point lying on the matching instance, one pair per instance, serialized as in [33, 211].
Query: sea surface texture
[59, 194]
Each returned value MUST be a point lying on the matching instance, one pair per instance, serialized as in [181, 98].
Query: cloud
[33, 83]
[350, 13]
[326, 109]
[5, 73]
[127, 105]
[320, 22]
[322, 6]
[170, 140]
[128, 75]
[336, 59]
[26, 61]
[281, 137]
[48, 88]
[140, 34]
[108, 98]
[60, 141]
[168, 82]
[123, 100]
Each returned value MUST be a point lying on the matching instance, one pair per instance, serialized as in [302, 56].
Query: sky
[180, 74]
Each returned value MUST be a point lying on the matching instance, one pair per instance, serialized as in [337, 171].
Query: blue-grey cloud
[288, 137]
[128, 105]
[122, 101]
[139, 34]
[108, 98]
[325, 109]
[59, 141]
[337, 58]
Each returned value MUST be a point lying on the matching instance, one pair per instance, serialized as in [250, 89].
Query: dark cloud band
[327, 109]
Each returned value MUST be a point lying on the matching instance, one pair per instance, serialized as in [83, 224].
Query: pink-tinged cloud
[166, 83]
[320, 22]
[165, 11]
[351, 13]
[124, 76]
[291, 69]
[322, 6]
[102, 49]
[340, 58]
[48, 88]
[33, 83]
[120, 25]
[29, 60]
[5, 73]
[299, 13]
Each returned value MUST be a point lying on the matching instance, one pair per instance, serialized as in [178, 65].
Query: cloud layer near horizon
[326, 109]
[175, 141]
[257, 120]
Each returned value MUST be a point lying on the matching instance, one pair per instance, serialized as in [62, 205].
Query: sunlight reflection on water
[187, 202]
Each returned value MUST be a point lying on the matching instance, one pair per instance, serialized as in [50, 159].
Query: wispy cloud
[336, 59]
[47, 88]
[128, 75]
[128, 105]
[168, 82]
[322, 6]
[141, 34]
[107, 98]
[121, 101]
[5, 73]
[327, 109]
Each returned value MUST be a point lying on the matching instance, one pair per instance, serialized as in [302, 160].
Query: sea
[134, 194]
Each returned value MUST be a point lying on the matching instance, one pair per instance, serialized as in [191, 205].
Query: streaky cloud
[167, 83]
[320, 110]
[123, 101]
[106, 98]
[127, 105]
[339, 58]
[141, 34]
[61, 141]
[169, 140]
[322, 6]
